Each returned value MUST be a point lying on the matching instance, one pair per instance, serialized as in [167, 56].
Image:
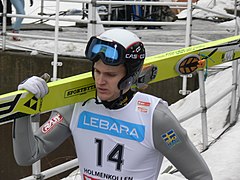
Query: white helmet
[122, 36]
[118, 46]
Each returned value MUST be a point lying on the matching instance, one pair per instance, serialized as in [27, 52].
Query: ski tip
[46, 77]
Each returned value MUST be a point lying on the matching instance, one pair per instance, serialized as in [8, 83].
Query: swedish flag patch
[170, 138]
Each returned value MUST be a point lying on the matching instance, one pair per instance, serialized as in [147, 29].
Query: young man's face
[106, 80]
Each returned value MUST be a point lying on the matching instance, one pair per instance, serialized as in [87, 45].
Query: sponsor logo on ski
[79, 90]
[51, 123]
[171, 139]
[32, 103]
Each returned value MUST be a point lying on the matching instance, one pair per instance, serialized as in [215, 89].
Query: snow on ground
[50, 10]
[222, 156]
[218, 7]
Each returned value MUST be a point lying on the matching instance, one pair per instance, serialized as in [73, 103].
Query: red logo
[85, 177]
[51, 123]
[142, 109]
[142, 103]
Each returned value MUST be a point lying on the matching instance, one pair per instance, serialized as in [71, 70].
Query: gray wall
[17, 66]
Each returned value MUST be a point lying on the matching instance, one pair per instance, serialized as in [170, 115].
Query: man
[19, 6]
[120, 133]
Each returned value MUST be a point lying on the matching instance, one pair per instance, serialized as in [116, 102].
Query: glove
[35, 85]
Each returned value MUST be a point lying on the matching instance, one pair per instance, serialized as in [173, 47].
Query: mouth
[102, 90]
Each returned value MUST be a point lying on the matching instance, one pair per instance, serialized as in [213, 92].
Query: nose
[100, 79]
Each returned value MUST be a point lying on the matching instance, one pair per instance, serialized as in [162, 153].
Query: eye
[112, 74]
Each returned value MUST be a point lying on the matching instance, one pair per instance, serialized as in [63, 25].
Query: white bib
[116, 144]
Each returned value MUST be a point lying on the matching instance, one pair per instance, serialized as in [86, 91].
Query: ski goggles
[110, 52]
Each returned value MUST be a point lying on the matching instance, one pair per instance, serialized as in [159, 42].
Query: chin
[103, 97]
[106, 97]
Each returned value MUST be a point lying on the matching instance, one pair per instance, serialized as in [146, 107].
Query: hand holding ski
[35, 85]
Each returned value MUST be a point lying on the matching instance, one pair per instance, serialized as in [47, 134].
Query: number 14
[115, 155]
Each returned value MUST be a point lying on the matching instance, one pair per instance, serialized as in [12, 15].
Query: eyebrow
[111, 70]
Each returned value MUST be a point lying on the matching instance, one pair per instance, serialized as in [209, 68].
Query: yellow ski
[157, 68]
